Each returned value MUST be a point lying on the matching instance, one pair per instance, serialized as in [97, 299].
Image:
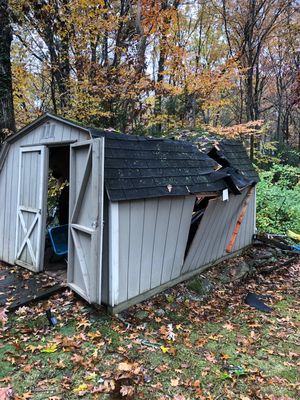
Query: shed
[144, 213]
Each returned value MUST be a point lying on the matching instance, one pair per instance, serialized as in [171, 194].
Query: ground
[178, 345]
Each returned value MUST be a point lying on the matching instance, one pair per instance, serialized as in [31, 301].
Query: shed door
[31, 207]
[86, 219]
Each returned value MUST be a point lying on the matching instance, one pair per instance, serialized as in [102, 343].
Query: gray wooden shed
[131, 204]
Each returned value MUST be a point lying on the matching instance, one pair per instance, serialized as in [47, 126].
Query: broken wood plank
[240, 220]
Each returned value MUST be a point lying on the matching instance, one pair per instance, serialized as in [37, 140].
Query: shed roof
[139, 167]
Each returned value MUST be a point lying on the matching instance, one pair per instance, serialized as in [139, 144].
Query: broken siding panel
[184, 219]
[216, 228]
[244, 237]
[228, 223]
[153, 236]
[200, 241]
[161, 228]
[217, 222]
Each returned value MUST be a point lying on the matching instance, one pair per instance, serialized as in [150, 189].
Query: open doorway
[56, 241]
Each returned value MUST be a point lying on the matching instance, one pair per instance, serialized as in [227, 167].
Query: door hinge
[95, 224]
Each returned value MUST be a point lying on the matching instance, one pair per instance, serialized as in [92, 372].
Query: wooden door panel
[31, 208]
[86, 219]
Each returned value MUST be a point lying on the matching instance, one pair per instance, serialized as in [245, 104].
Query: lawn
[174, 346]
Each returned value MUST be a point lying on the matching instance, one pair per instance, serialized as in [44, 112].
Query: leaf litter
[177, 348]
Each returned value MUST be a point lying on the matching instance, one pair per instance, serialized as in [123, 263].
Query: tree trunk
[7, 119]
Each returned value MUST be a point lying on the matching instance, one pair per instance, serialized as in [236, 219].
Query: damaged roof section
[232, 153]
[138, 167]
[232, 156]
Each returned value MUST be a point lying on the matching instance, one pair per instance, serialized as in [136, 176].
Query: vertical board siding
[105, 254]
[184, 223]
[152, 242]
[151, 207]
[9, 181]
[160, 238]
[124, 240]
[137, 212]
[216, 228]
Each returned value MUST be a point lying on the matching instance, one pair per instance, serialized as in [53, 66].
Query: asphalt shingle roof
[139, 167]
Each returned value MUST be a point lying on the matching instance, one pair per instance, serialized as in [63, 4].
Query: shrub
[278, 200]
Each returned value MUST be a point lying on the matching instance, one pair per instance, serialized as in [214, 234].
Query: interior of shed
[56, 239]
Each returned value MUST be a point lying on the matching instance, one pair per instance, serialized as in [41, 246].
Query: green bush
[278, 200]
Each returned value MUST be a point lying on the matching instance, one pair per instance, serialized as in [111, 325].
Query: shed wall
[45, 134]
[152, 241]
[216, 228]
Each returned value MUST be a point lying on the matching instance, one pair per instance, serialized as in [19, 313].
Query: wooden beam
[240, 220]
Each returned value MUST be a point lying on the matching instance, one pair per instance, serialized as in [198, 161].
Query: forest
[182, 68]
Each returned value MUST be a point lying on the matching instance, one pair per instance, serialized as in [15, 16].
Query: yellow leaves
[251, 127]
[81, 388]
[50, 348]
[170, 350]
[94, 335]
[91, 377]
[215, 337]
[164, 349]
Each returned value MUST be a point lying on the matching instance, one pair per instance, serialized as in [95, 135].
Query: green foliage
[278, 200]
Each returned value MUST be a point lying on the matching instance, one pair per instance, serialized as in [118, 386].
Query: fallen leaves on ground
[172, 347]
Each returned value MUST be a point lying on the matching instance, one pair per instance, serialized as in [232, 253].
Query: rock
[201, 286]
[141, 315]
[236, 272]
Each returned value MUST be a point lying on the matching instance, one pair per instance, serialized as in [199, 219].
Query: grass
[223, 349]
